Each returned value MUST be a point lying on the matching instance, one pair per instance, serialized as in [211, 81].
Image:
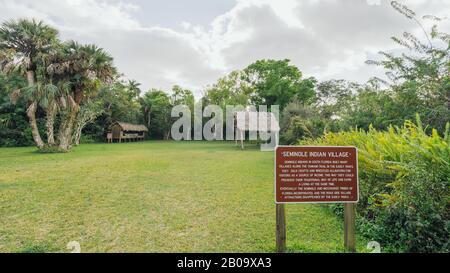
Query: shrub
[300, 121]
[404, 179]
[87, 139]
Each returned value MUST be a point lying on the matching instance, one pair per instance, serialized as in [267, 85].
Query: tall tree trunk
[77, 135]
[31, 113]
[79, 126]
[80, 123]
[30, 78]
[50, 113]
[67, 124]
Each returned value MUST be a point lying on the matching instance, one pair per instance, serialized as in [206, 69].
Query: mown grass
[152, 197]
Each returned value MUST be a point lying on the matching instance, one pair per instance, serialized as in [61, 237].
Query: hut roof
[131, 127]
[248, 121]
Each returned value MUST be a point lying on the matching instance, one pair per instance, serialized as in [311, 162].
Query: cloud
[324, 38]
[157, 57]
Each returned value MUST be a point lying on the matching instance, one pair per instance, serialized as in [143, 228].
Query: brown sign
[316, 174]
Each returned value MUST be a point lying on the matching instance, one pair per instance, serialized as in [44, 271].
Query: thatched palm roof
[131, 127]
[249, 121]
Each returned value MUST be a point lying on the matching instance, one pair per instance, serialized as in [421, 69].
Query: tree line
[55, 94]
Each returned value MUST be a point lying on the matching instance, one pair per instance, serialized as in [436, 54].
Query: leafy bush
[404, 179]
[300, 121]
[86, 139]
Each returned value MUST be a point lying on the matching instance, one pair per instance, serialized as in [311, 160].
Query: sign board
[316, 174]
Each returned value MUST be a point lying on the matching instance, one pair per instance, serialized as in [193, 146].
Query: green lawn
[152, 197]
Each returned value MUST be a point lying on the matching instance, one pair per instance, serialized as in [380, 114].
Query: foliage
[22, 42]
[418, 83]
[374, 108]
[420, 75]
[181, 96]
[404, 185]
[23, 46]
[156, 106]
[276, 82]
[334, 97]
[229, 90]
[119, 102]
[60, 76]
[88, 114]
[14, 128]
[300, 121]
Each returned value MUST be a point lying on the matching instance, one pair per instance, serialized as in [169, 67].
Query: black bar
[219, 262]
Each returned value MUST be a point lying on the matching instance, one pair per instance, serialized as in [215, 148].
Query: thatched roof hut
[126, 132]
[131, 127]
[257, 122]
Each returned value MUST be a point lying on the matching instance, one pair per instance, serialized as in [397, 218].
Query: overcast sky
[193, 42]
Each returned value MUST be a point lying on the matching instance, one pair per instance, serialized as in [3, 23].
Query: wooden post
[349, 227]
[281, 228]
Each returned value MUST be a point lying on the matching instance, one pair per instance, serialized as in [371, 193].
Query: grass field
[152, 197]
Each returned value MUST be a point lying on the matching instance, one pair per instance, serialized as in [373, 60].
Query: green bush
[87, 139]
[404, 177]
[300, 121]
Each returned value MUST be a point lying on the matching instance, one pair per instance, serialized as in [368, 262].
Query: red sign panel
[316, 174]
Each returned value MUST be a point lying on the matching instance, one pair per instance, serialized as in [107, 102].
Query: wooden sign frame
[349, 207]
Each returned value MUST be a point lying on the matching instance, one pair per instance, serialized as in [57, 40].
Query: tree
[88, 113]
[277, 83]
[371, 108]
[14, 124]
[117, 102]
[80, 71]
[156, 107]
[22, 44]
[181, 96]
[133, 88]
[229, 90]
[120, 103]
[299, 121]
[421, 74]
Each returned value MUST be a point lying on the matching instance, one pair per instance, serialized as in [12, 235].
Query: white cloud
[324, 38]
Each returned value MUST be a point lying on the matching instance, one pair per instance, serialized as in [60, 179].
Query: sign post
[349, 227]
[306, 174]
[281, 228]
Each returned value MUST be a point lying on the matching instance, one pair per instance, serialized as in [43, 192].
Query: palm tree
[22, 44]
[81, 69]
[134, 88]
[45, 94]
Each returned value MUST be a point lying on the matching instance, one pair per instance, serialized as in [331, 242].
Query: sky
[194, 42]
